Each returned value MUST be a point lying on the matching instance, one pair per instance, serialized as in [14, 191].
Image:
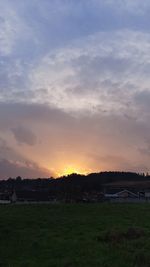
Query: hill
[76, 183]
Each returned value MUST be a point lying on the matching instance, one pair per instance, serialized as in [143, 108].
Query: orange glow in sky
[67, 170]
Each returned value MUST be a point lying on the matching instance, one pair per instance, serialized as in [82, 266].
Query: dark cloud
[13, 163]
[12, 114]
[8, 152]
[24, 136]
[26, 170]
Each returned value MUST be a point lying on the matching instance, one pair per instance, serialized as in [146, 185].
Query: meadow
[75, 235]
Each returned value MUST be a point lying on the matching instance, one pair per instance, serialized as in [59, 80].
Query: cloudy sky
[74, 86]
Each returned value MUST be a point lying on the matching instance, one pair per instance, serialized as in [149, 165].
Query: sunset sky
[74, 86]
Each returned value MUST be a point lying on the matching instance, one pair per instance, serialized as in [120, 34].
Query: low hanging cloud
[24, 169]
[13, 164]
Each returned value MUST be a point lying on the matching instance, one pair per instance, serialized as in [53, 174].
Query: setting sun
[72, 169]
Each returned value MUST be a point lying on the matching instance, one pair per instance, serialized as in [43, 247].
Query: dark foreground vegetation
[74, 182]
[83, 235]
[75, 187]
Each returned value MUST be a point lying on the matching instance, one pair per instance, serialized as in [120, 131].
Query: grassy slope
[67, 235]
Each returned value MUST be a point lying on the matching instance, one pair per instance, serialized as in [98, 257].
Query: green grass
[70, 235]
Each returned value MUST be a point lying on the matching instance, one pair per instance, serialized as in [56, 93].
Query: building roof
[117, 193]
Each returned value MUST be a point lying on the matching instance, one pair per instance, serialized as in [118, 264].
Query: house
[126, 194]
[121, 196]
[147, 195]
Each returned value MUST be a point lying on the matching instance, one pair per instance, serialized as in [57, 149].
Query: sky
[74, 87]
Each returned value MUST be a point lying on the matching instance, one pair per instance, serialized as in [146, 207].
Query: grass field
[74, 235]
